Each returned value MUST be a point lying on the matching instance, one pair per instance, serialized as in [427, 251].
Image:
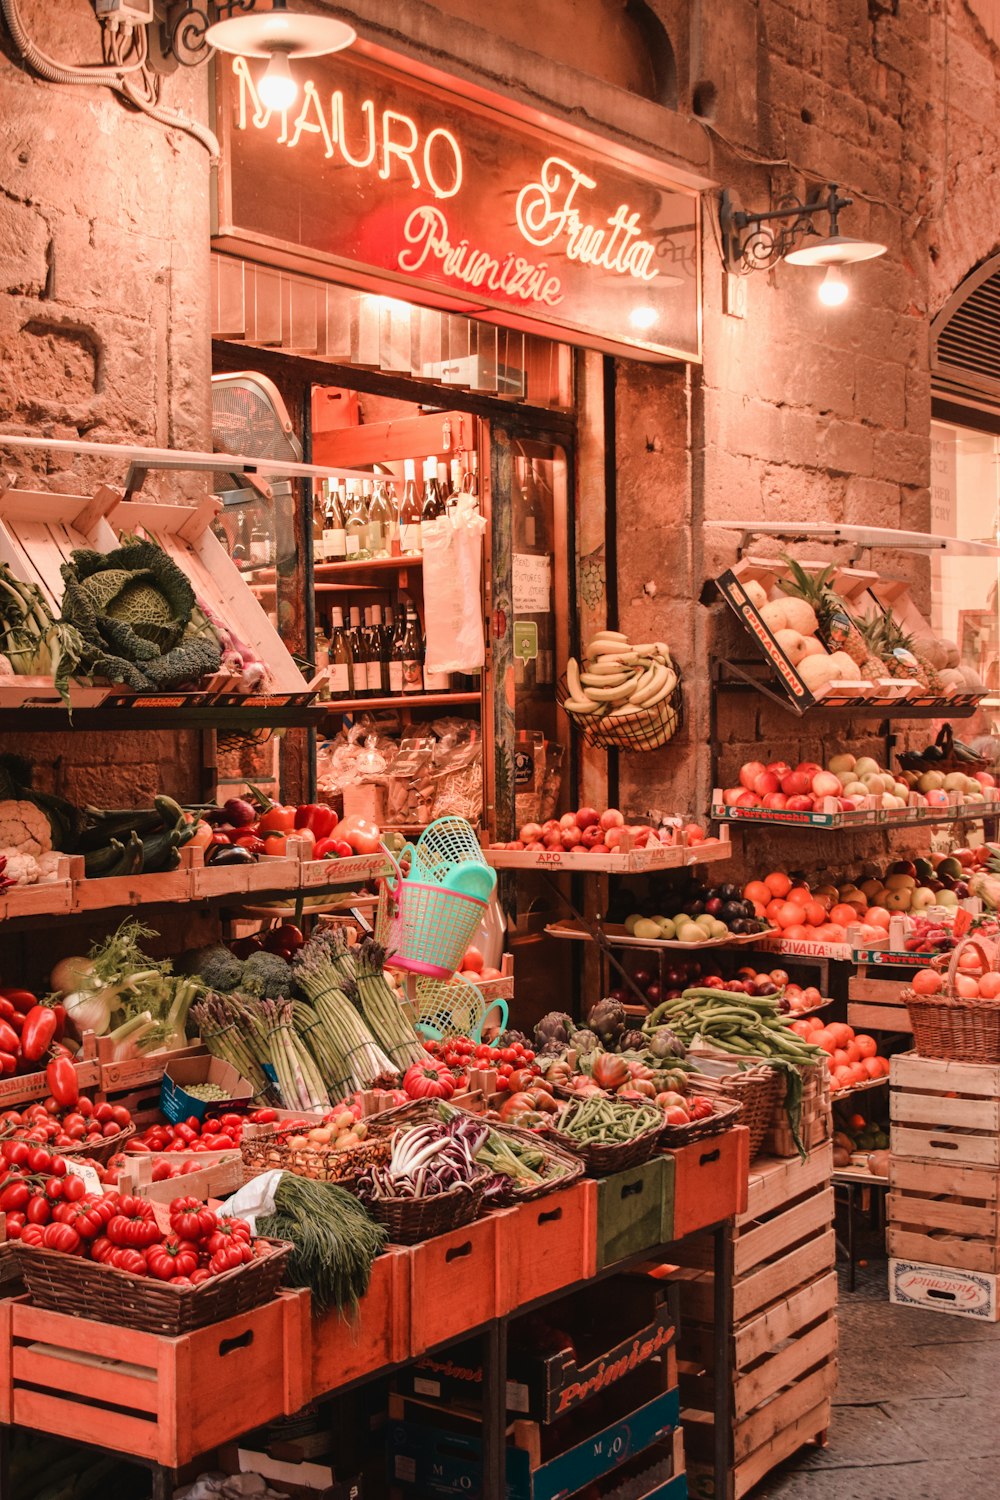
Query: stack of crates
[944, 1176]
[783, 1320]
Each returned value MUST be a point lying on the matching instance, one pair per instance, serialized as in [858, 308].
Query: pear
[645, 927]
[841, 764]
[865, 766]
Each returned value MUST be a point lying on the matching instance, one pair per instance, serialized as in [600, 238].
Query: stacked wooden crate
[816, 1122]
[783, 1317]
[944, 1174]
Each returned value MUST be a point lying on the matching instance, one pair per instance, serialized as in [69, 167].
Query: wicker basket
[559, 1169]
[102, 1293]
[100, 1150]
[410, 1220]
[951, 1027]
[600, 1158]
[269, 1152]
[649, 730]
[760, 1090]
[912, 760]
[728, 1112]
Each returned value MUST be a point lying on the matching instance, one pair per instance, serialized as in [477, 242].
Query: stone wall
[104, 329]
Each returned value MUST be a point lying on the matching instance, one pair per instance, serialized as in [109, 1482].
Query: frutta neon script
[546, 211]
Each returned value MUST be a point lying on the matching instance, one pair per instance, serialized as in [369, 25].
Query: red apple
[749, 773]
[613, 837]
[550, 825]
[730, 795]
[599, 849]
[553, 840]
[846, 804]
[748, 799]
[640, 835]
[764, 783]
[515, 844]
[779, 768]
[535, 845]
[571, 836]
[775, 799]
[808, 768]
[611, 818]
[530, 831]
[587, 817]
[591, 836]
[800, 803]
[796, 783]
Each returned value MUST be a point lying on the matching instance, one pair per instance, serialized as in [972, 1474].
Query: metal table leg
[495, 1410]
[722, 1267]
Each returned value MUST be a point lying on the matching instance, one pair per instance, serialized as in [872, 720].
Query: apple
[613, 836]
[730, 795]
[640, 835]
[590, 836]
[749, 773]
[965, 857]
[778, 768]
[553, 840]
[568, 820]
[748, 799]
[518, 844]
[571, 836]
[825, 784]
[808, 768]
[764, 783]
[530, 831]
[598, 849]
[551, 825]
[796, 783]
[800, 803]
[611, 818]
[587, 817]
[775, 799]
[848, 804]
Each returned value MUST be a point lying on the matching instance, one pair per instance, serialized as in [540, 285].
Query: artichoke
[509, 1037]
[632, 1041]
[608, 1019]
[554, 1027]
[585, 1040]
[664, 1043]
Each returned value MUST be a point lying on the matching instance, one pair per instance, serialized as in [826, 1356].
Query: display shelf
[399, 700]
[626, 862]
[329, 571]
[752, 677]
[834, 817]
[860, 1088]
[617, 937]
[168, 711]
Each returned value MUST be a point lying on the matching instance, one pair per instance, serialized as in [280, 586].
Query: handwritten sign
[460, 205]
[532, 580]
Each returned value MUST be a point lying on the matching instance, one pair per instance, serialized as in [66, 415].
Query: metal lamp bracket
[755, 242]
[183, 24]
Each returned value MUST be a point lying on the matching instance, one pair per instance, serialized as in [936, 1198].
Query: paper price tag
[963, 921]
[83, 1169]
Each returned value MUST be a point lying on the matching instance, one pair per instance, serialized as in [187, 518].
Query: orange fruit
[927, 982]
[844, 914]
[772, 908]
[799, 893]
[757, 891]
[965, 986]
[841, 1032]
[778, 883]
[873, 1066]
[877, 916]
[790, 914]
[989, 985]
[866, 1045]
[859, 1073]
[833, 932]
[822, 1038]
[796, 933]
[844, 1076]
[841, 1057]
[853, 1052]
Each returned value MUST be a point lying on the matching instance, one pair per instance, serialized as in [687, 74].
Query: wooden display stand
[944, 1174]
[817, 1117]
[784, 1324]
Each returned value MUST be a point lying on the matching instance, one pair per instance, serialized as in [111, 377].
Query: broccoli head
[217, 967]
[266, 976]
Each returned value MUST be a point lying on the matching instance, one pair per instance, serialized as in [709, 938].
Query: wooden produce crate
[875, 1004]
[51, 898]
[161, 1399]
[632, 1207]
[946, 1289]
[22, 1088]
[546, 1244]
[134, 1072]
[453, 1282]
[784, 1327]
[945, 1112]
[344, 1349]
[218, 1178]
[944, 1215]
[709, 1185]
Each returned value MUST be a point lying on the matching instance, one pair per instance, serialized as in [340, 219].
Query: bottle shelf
[399, 700]
[344, 569]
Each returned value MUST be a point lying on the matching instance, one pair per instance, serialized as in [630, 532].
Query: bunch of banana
[617, 680]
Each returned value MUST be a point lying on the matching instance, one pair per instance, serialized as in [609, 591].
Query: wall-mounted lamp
[277, 34]
[755, 242]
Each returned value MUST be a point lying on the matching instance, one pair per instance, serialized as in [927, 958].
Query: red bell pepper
[37, 1035]
[317, 817]
[277, 819]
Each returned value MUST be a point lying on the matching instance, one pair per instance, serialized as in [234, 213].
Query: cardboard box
[964, 1294]
[546, 1387]
[303, 1481]
[435, 1461]
[176, 1103]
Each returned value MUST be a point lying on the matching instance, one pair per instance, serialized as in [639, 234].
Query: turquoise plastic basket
[445, 843]
[423, 928]
[454, 1007]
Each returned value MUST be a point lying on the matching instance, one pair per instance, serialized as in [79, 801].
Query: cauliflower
[24, 828]
[20, 868]
[48, 865]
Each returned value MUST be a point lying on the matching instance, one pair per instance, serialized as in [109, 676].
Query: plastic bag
[453, 611]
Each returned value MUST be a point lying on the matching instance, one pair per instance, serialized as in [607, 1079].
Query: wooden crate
[134, 1072]
[160, 1399]
[631, 1207]
[453, 1283]
[810, 1427]
[949, 1216]
[944, 1112]
[346, 1348]
[875, 1004]
[710, 1183]
[817, 1117]
[218, 1178]
[546, 1244]
[946, 1289]
[784, 1324]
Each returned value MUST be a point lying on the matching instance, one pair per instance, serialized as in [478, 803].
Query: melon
[773, 615]
[953, 655]
[756, 593]
[816, 671]
[814, 647]
[951, 677]
[971, 677]
[935, 651]
[792, 644]
[845, 668]
[800, 616]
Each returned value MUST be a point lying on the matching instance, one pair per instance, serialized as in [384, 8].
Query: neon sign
[375, 173]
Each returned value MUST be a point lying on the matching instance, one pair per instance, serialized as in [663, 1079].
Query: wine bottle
[378, 669]
[334, 527]
[432, 507]
[356, 518]
[341, 670]
[407, 653]
[380, 519]
[392, 502]
[318, 512]
[359, 659]
[409, 512]
[373, 649]
[470, 479]
[456, 483]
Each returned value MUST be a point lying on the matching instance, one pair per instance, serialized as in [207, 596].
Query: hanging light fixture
[756, 242]
[279, 35]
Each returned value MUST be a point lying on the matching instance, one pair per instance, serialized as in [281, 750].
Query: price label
[83, 1169]
[963, 921]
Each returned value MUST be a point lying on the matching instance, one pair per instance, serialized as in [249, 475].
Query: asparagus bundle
[298, 1078]
[223, 1030]
[377, 1001]
[320, 972]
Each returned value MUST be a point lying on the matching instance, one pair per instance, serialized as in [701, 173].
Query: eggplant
[228, 854]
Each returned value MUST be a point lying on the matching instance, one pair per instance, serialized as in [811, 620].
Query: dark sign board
[381, 180]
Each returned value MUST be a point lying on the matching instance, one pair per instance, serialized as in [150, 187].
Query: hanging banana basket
[624, 727]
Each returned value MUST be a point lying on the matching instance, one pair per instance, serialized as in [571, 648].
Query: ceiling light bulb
[833, 289]
[643, 317]
[278, 89]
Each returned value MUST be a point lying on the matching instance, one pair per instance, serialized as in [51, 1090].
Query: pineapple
[898, 653]
[836, 628]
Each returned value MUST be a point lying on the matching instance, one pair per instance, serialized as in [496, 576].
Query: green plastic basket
[454, 1007]
[423, 928]
[445, 843]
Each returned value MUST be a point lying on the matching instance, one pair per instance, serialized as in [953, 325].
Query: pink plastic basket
[425, 929]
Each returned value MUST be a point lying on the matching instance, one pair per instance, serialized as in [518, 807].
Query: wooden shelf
[331, 570]
[401, 700]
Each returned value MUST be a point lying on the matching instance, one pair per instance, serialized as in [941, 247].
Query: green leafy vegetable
[335, 1240]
